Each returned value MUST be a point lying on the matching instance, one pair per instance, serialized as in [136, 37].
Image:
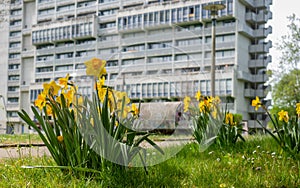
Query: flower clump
[94, 67]
[205, 104]
[54, 91]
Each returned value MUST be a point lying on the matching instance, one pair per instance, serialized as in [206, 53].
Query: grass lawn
[256, 163]
[19, 139]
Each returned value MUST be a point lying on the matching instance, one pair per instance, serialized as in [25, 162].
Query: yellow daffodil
[298, 109]
[120, 95]
[51, 88]
[49, 110]
[202, 106]
[186, 102]
[229, 119]
[217, 100]
[69, 96]
[60, 138]
[283, 116]
[95, 67]
[256, 103]
[40, 102]
[63, 82]
[198, 96]
[214, 113]
[134, 110]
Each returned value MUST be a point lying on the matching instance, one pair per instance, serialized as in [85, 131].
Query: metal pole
[213, 57]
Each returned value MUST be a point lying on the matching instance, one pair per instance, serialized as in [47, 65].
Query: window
[64, 68]
[80, 66]
[14, 44]
[12, 100]
[14, 67]
[13, 77]
[13, 88]
[14, 56]
[44, 69]
[12, 114]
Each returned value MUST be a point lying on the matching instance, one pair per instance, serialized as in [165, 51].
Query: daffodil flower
[283, 116]
[51, 87]
[186, 102]
[298, 109]
[256, 103]
[95, 67]
[198, 96]
[40, 102]
[134, 110]
[63, 82]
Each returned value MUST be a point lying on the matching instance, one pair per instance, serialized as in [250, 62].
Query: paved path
[35, 151]
[15, 152]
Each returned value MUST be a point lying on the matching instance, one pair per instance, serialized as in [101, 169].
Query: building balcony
[158, 52]
[64, 61]
[15, 27]
[258, 3]
[14, 61]
[259, 78]
[17, 5]
[64, 2]
[107, 18]
[13, 82]
[13, 72]
[261, 17]
[16, 17]
[109, 5]
[263, 32]
[260, 63]
[252, 93]
[13, 93]
[84, 35]
[61, 74]
[85, 47]
[110, 30]
[44, 63]
[45, 51]
[158, 38]
[133, 40]
[133, 54]
[131, 2]
[260, 48]
[86, 9]
[14, 50]
[262, 4]
[65, 13]
[185, 34]
[219, 61]
[251, 109]
[45, 5]
[219, 29]
[188, 49]
[113, 43]
[15, 38]
[63, 49]
[44, 17]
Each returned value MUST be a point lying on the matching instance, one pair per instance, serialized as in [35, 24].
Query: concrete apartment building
[155, 49]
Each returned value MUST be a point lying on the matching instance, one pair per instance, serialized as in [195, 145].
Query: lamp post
[213, 8]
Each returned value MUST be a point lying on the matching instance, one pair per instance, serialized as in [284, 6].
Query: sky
[281, 9]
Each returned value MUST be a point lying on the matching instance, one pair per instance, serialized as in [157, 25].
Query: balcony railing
[252, 93]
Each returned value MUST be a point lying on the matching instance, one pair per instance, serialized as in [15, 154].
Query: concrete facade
[155, 50]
